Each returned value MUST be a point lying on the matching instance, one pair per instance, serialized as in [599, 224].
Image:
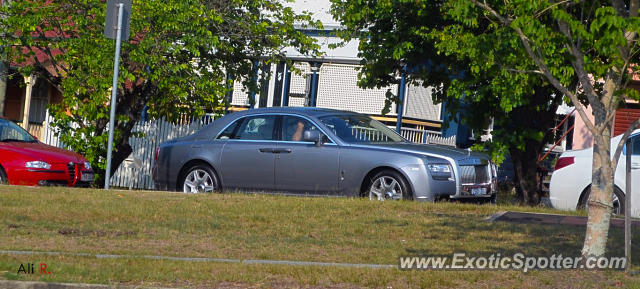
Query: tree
[175, 63]
[585, 51]
[466, 72]
[594, 42]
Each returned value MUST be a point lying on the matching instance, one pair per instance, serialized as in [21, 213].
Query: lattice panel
[240, 94]
[419, 103]
[298, 81]
[338, 89]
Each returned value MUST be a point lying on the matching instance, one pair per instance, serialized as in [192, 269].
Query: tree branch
[625, 136]
[540, 63]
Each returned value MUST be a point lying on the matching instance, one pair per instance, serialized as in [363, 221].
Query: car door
[635, 176]
[301, 166]
[247, 159]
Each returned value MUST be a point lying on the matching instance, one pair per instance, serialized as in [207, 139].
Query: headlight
[440, 168]
[38, 165]
[440, 172]
[87, 165]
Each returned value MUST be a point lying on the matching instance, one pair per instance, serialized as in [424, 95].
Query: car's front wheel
[618, 201]
[3, 177]
[388, 185]
[200, 179]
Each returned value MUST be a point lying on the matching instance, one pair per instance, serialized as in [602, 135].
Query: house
[331, 82]
[24, 99]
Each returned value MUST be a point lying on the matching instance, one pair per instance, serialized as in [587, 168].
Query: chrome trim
[45, 171]
[274, 114]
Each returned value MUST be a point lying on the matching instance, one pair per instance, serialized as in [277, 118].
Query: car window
[293, 128]
[636, 146]
[360, 129]
[10, 131]
[231, 130]
[252, 128]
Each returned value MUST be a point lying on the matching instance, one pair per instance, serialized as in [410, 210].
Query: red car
[26, 161]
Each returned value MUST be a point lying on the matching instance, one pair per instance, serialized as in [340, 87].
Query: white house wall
[419, 103]
[298, 84]
[338, 89]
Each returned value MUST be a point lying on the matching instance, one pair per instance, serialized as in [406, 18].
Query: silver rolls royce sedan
[318, 151]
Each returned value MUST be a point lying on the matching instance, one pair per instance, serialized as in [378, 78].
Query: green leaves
[175, 62]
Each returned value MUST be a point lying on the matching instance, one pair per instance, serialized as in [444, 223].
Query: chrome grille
[474, 174]
[72, 171]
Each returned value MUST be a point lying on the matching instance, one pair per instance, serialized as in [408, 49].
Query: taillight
[563, 162]
[157, 152]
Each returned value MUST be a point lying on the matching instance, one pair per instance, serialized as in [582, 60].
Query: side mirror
[312, 136]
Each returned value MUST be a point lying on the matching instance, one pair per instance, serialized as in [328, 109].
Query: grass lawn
[241, 226]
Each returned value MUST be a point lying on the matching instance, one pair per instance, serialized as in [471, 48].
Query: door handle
[279, 151]
[266, 150]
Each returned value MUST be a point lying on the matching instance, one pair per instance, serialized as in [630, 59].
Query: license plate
[478, 191]
[87, 177]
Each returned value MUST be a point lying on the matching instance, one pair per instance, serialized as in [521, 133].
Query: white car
[571, 180]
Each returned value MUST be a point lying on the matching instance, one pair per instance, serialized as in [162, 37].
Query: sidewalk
[552, 219]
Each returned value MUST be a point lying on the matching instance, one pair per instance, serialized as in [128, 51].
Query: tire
[618, 201]
[493, 200]
[199, 179]
[3, 177]
[388, 185]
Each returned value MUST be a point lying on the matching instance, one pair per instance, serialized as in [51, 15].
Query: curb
[6, 284]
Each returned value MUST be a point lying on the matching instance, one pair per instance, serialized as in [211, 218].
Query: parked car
[26, 161]
[318, 151]
[571, 180]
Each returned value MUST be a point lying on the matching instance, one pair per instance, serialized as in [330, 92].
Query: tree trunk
[601, 197]
[525, 165]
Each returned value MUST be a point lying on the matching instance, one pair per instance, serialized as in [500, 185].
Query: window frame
[277, 128]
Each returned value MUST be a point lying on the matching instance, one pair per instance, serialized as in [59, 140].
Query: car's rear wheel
[3, 177]
[200, 179]
[388, 185]
[618, 201]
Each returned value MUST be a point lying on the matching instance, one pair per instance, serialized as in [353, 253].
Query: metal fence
[135, 171]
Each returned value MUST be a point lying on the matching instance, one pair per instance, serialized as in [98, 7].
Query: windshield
[353, 128]
[11, 132]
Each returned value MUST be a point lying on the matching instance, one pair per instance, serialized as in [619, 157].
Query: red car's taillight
[157, 152]
[563, 162]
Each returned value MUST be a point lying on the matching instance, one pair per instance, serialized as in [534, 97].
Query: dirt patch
[73, 232]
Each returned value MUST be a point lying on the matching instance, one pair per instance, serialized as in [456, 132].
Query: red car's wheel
[3, 177]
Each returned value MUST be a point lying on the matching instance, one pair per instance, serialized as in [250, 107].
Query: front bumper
[485, 190]
[57, 175]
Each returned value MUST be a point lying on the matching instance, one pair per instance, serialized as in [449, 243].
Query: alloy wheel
[199, 181]
[385, 188]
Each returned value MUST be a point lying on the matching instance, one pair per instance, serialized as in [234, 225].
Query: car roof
[308, 111]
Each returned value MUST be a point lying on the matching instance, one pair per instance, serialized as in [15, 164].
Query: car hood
[440, 150]
[43, 152]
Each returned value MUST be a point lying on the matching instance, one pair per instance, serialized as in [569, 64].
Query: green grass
[245, 226]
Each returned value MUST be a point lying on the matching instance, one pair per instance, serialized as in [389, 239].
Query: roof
[309, 111]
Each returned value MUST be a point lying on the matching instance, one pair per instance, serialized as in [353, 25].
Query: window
[636, 146]
[359, 129]
[293, 128]
[39, 102]
[251, 128]
[11, 132]
[230, 131]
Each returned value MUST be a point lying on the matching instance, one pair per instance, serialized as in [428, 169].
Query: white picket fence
[135, 172]
[427, 136]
